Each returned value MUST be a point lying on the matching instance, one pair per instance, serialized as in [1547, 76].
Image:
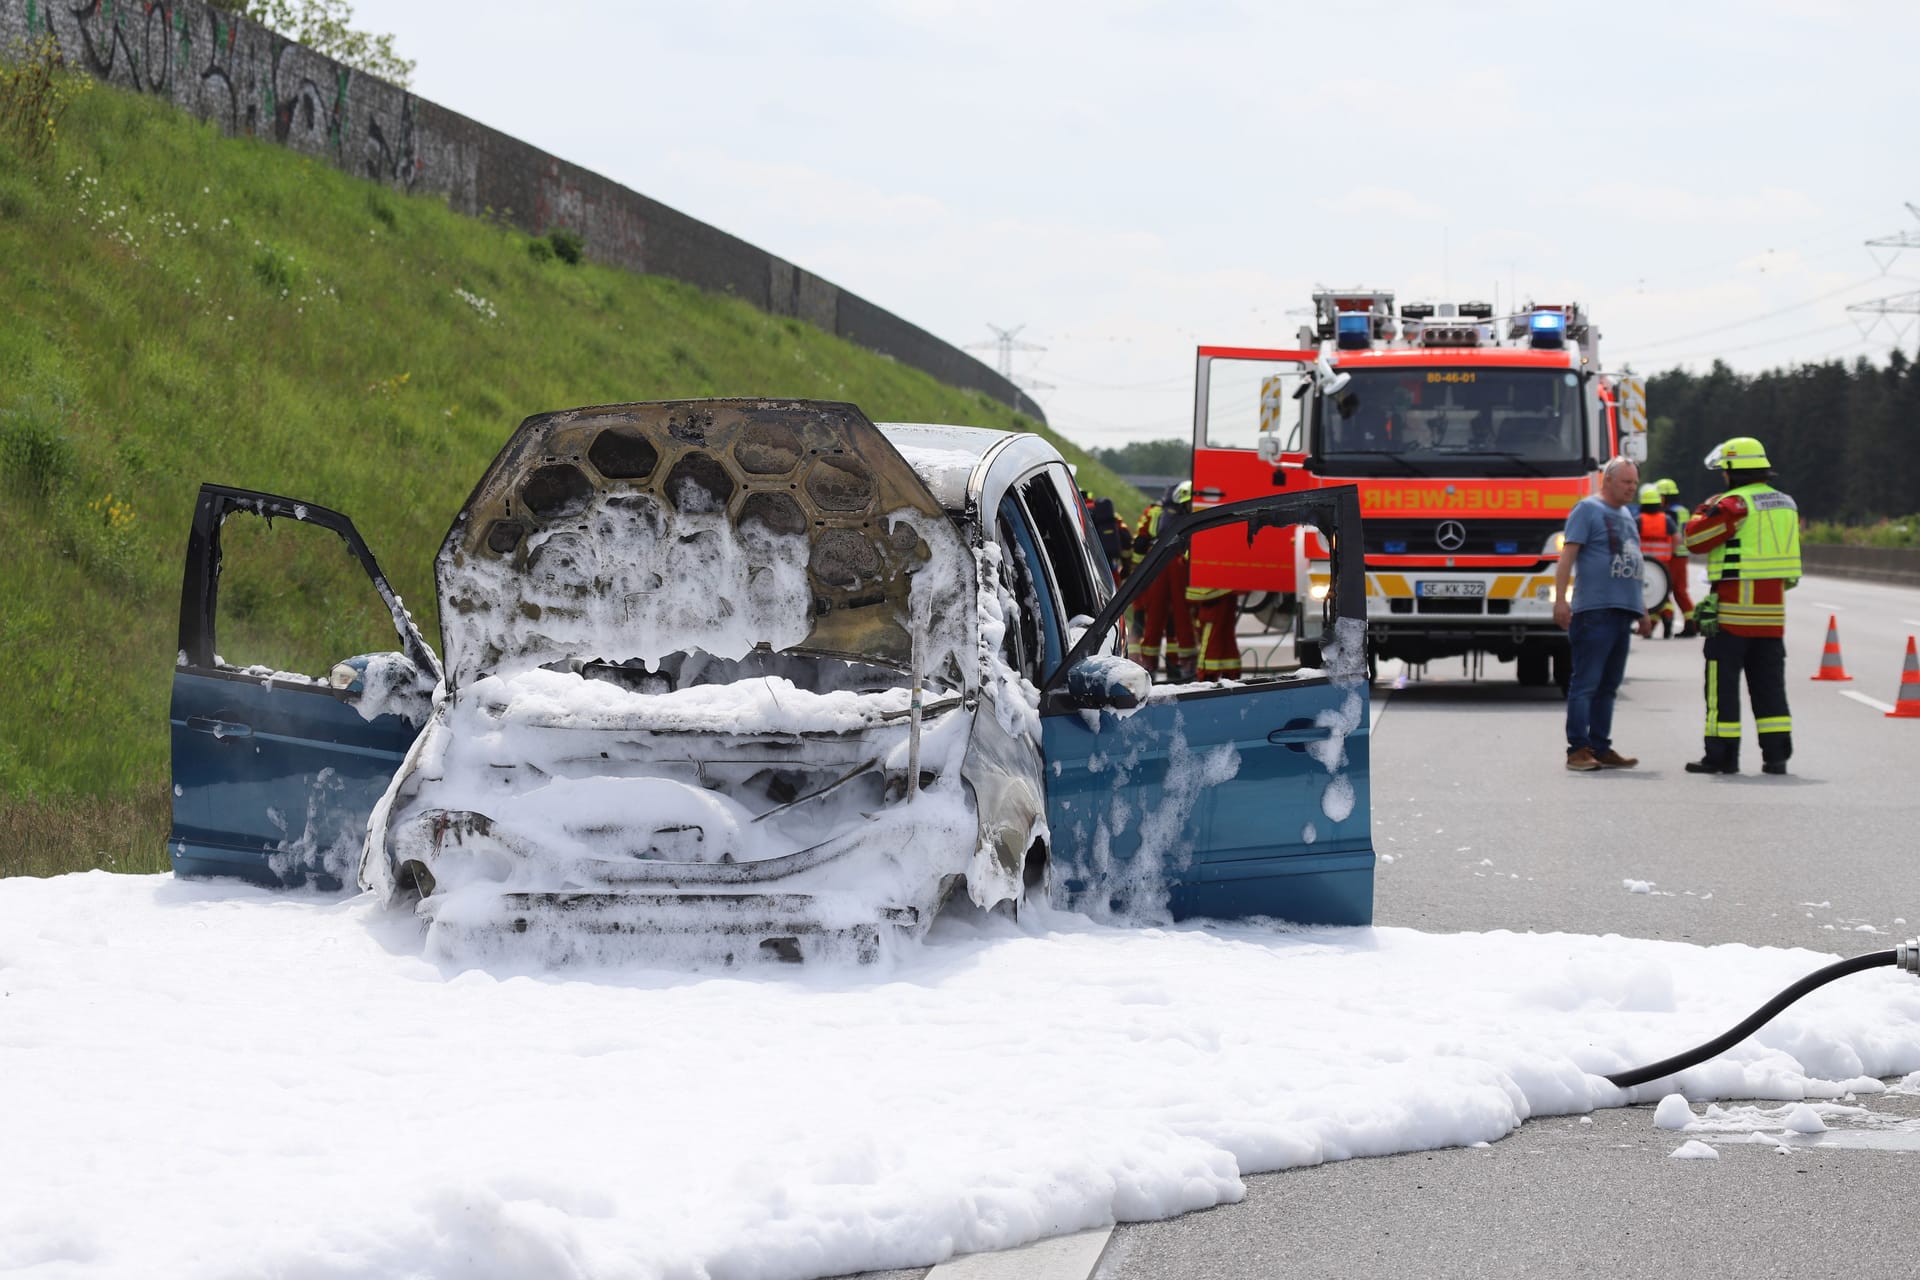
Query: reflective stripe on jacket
[1767, 542]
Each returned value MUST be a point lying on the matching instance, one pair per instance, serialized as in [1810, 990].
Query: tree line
[1842, 438]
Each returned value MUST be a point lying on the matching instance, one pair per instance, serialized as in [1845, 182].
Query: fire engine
[1470, 436]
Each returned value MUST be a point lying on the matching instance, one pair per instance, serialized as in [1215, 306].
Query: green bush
[36, 89]
[277, 271]
[568, 245]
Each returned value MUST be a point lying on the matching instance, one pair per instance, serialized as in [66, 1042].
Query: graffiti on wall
[245, 78]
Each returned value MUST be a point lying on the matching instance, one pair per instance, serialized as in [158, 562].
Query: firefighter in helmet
[1162, 610]
[1750, 534]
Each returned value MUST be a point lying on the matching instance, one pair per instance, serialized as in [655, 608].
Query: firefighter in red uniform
[1162, 608]
[1216, 610]
[1750, 534]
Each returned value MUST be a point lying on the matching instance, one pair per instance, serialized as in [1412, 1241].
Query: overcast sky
[1124, 180]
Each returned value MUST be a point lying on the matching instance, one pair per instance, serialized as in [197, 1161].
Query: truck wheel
[1562, 670]
[1532, 669]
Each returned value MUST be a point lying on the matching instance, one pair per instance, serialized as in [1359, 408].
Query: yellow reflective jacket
[1767, 544]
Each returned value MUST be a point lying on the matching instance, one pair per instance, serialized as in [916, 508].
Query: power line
[1770, 315]
[1158, 384]
[1898, 241]
[1723, 268]
[1764, 342]
[1899, 304]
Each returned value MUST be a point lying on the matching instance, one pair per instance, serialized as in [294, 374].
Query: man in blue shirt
[1601, 549]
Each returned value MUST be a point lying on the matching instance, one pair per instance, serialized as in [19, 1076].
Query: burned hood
[630, 532]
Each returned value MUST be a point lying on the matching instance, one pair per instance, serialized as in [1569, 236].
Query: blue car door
[1220, 799]
[278, 760]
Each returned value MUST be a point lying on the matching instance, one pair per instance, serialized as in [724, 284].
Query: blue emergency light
[1353, 331]
[1506, 548]
[1547, 329]
[1396, 548]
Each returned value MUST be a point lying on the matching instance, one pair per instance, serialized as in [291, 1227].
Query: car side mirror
[1106, 682]
[385, 684]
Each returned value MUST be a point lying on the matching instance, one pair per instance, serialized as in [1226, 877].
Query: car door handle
[1294, 735]
[1211, 495]
[219, 728]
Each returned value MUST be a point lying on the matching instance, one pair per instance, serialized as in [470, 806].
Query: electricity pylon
[1007, 341]
[1900, 304]
[1898, 241]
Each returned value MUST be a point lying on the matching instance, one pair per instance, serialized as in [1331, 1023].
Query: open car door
[1225, 799]
[280, 753]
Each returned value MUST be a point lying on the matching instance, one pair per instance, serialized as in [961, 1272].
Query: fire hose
[1905, 956]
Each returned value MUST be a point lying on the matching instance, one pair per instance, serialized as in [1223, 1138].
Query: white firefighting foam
[1005, 1081]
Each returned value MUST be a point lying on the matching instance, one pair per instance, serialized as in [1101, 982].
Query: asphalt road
[1487, 830]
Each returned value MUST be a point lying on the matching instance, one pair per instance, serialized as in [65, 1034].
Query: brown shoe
[1582, 760]
[1611, 759]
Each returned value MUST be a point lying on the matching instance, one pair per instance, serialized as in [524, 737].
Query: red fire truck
[1470, 437]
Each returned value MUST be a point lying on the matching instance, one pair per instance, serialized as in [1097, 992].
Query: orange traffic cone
[1907, 705]
[1830, 668]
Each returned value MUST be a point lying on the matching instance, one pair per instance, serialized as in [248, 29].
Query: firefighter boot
[1716, 762]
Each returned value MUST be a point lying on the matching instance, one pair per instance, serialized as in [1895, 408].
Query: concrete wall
[1899, 565]
[252, 81]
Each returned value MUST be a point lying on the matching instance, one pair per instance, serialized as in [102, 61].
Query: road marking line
[1830, 608]
[1861, 697]
[1912, 622]
[1857, 1139]
[1057, 1258]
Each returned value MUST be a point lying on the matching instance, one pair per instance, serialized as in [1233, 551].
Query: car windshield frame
[1453, 420]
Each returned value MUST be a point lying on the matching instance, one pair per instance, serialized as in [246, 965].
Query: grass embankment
[181, 306]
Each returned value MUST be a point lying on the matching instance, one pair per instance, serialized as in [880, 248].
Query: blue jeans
[1599, 639]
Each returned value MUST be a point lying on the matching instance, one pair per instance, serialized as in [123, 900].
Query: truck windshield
[1453, 422]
